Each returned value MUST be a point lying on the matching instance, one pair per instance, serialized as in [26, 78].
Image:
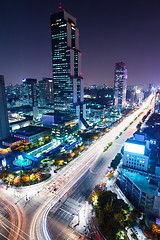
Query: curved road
[12, 220]
[39, 229]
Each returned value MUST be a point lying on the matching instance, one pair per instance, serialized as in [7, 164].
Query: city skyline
[28, 42]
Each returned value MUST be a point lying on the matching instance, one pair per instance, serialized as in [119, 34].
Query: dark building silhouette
[4, 124]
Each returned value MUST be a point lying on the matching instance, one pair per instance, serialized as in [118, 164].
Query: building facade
[46, 92]
[66, 65]
[142, 190]
[135, 155]
[62, 126]
[29, 91]
[32, 134]
[157, 102]
[120, 85]
[4, 124]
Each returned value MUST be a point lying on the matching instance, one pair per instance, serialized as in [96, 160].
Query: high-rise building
[120, 84]
[4, 124]
[29, 91]
[46, 91]
[66, 63]
[157, 102]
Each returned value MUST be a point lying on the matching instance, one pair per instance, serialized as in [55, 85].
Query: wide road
[32, 204]
[59, 220]
[75, 172]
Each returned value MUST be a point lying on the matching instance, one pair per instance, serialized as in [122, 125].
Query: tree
[132, 218]
[33, 177]
[111, 213]
[17, 181]
[105, 198]
[26, 178]
[116, 161]
[39, 176]
[31, 146]
[10, 178]
[21, 150]
[119, 217]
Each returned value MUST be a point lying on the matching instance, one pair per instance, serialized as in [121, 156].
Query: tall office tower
[29, 91]
[157, 102]
[66, 63]
[46, 91]
[4, 124]
[120, 85]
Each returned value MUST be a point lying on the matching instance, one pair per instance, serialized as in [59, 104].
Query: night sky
[110, 31]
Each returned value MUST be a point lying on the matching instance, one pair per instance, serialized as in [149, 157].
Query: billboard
[134, 148]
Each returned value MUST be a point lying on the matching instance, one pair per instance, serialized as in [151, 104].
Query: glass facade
[46, 92]
[29, 90]
[120, 85]
[66, 64]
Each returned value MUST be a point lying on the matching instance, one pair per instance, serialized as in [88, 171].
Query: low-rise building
[62, 125]
[136, 155]
[142, 189]
[11, 142]
[32, 134]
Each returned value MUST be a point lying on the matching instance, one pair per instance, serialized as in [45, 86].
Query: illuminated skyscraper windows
[66, 65]
[120, 85]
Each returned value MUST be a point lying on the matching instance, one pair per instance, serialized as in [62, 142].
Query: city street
[75, 181]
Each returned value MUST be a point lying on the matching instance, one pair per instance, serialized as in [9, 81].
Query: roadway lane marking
[65, 211]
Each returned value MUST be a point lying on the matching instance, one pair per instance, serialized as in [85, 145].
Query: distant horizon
[109, 85]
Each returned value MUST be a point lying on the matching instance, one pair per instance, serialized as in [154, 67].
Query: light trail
[17, 219]
[39, 228]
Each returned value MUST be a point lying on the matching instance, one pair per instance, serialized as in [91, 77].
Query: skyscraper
[157, 102]
[4, 124]
[29, 90]
[120, 84]
[46, 91]
[66, 65]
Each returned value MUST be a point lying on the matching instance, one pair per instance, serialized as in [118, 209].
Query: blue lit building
[66, 65]
[120, 85]
[46, 92]
[136, 179]
[32, 134]
[143, 190]
[29, 91]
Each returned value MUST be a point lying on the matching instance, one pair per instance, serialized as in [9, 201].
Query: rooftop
[142, 182]
[136, 142]
[30, 130]
[11, 140]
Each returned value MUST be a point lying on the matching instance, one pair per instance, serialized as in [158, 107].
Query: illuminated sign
[158, 221]
[134, 148]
